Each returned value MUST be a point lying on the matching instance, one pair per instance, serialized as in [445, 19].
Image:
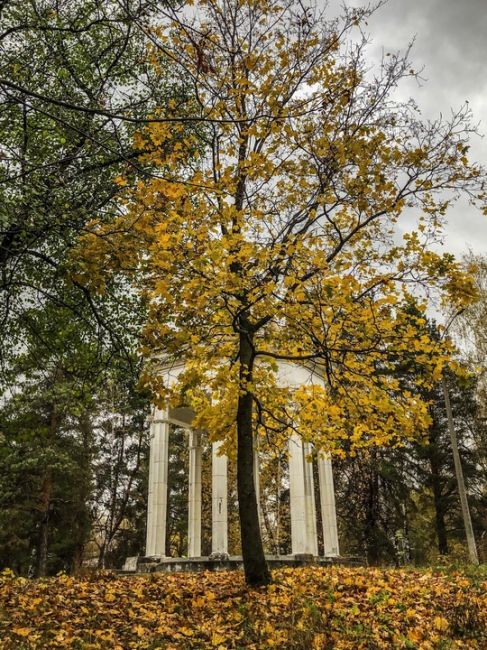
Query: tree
[73, 446]
[44, 483]
[405, 499]
[57, 164]
[271, 235]
[468, 329]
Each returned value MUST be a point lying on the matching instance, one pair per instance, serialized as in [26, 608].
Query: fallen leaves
[22, 631]
[311, 607]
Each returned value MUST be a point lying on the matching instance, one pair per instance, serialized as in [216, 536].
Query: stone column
[299, 529]
[194, 495]
[158, 472]
[302, 500]
[219, 515]
[328, 509]
[309, 491]
[149, 543]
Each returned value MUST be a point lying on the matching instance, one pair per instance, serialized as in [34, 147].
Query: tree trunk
[438, 501]
[82, 523]
[77, 559]
[255, 565]
[45, 505]
[269, 529]
[372, 507]
[472, 548]
[42, 540]
[102, 556]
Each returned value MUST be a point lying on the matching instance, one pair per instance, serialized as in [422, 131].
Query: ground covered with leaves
[308, 608]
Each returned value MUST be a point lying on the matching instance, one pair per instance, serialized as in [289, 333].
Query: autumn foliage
[336, 607]
[269, 230]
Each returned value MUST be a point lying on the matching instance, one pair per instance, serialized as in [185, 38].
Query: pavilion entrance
[303, 511]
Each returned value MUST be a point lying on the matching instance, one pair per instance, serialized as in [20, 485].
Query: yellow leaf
[440, 623]
[217, 639]
[139, 630]
[318, 641]
[22, 631]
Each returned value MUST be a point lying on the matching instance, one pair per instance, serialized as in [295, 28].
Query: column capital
[194, 438]
[162, 418]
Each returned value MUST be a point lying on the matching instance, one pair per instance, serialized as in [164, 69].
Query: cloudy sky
[451, 45]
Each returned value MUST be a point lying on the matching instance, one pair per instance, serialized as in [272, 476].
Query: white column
[302, 501]
[219, 516]
[194, 495]
[297, 495]
[149, 543]
[309, 491]
[328, 509]
[158, 473]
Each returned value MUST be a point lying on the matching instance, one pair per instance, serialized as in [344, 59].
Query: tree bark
[438, 501]
[472, 548]
[102, 556]
[371, 516]
[42, 540]
[255, 565]
[45, 501]
[82, 522]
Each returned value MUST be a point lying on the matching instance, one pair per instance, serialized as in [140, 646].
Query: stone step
[142, 565]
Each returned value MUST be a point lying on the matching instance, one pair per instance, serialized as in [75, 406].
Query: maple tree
[271, 233]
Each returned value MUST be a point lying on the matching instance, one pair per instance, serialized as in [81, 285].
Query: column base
[141, 564]
[219, 557]
[222, 562]
[305, 558]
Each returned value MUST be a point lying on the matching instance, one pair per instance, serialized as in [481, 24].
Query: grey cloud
[451, 44]
[450, 39]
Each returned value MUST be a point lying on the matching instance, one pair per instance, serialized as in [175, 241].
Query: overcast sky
[451, 45]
